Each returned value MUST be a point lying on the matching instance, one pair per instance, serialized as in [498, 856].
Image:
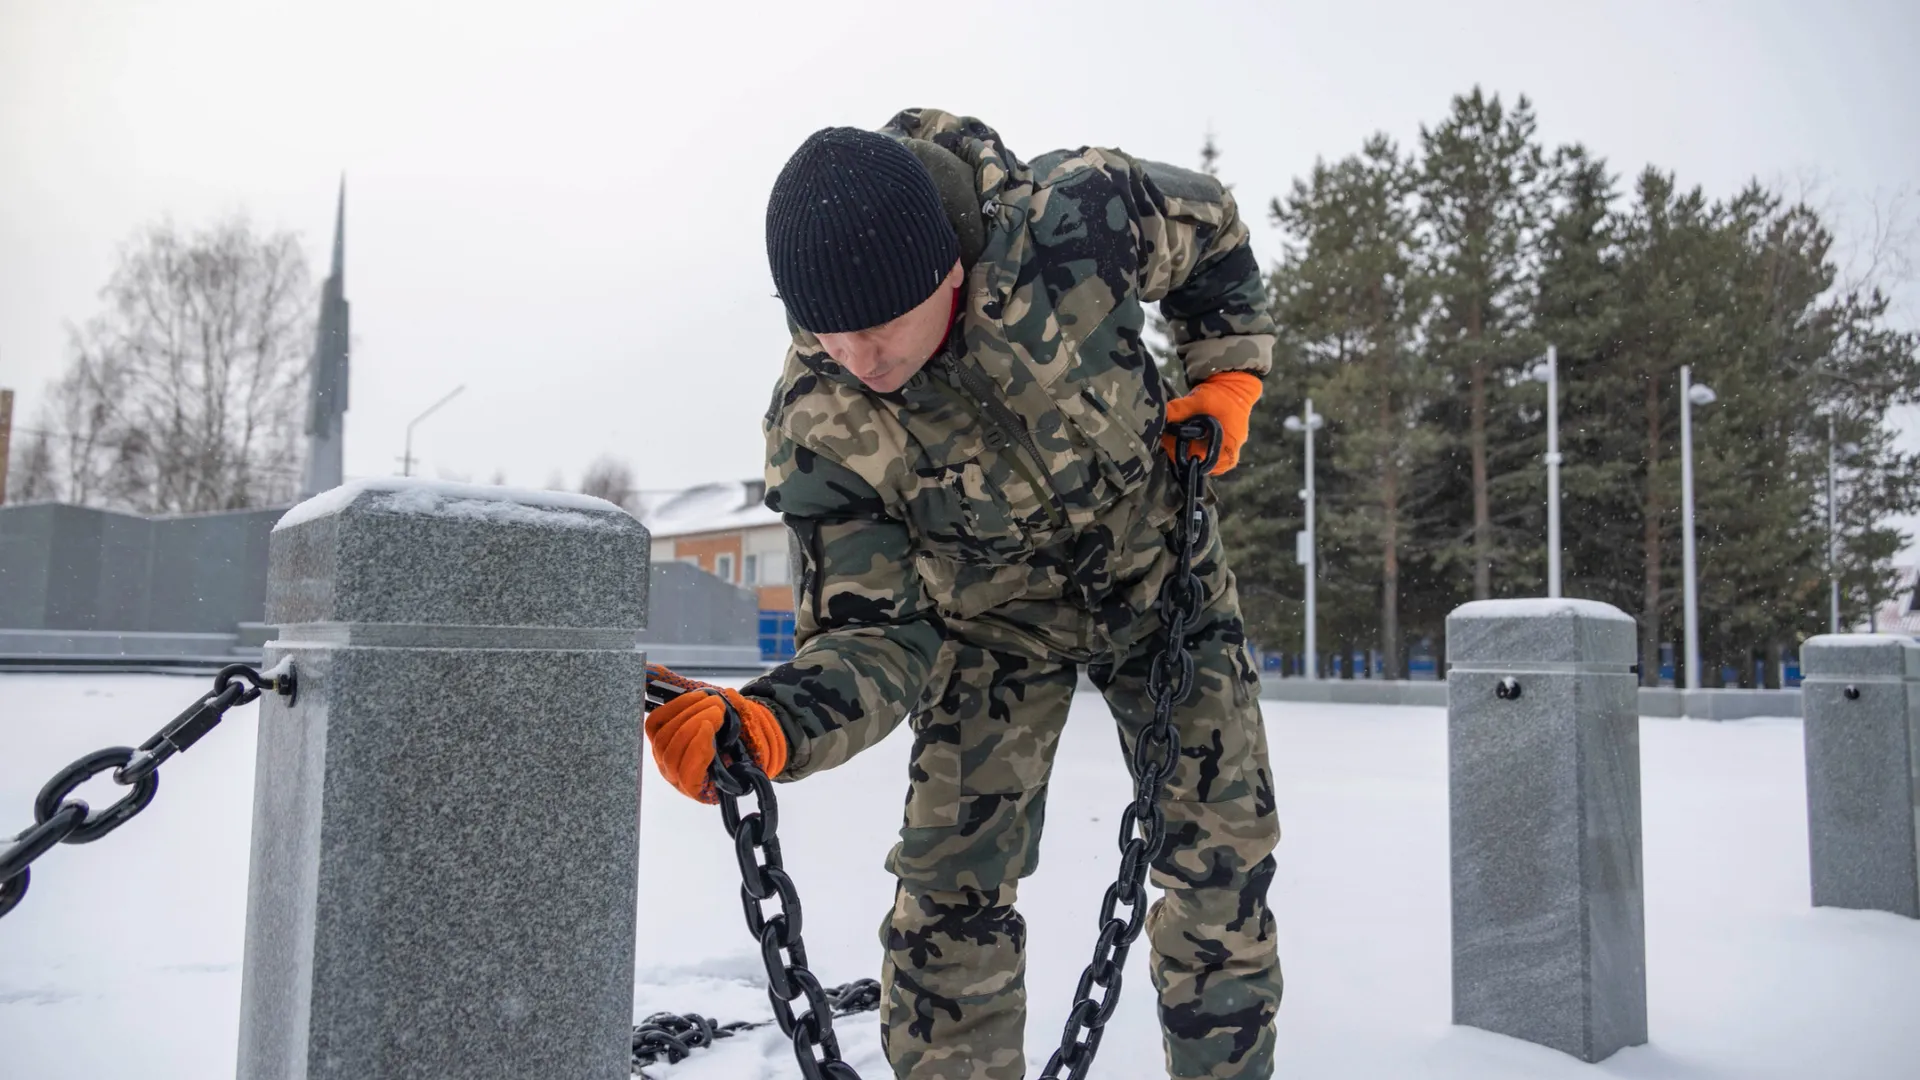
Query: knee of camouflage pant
[994, 845]
[1216, 966]
[953, 985]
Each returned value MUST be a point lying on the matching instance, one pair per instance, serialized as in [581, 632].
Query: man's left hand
[1227, 397]
[681, 733]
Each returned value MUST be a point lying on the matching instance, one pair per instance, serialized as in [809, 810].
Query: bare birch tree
[183, 393]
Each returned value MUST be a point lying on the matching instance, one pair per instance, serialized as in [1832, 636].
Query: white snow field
[124, 959]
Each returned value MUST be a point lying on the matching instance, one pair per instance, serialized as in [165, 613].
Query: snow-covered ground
[124, 959]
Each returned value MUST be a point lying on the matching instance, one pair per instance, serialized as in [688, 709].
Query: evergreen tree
[1666, 241]
[1348, 303]
[1412, 297]
[1578, 312]
[1260, 511]
[1481, 206]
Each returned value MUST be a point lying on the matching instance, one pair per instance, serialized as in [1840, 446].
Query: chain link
[672, 1036]
[1156, 754]
[59, 819]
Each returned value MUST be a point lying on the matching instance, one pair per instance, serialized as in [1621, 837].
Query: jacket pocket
[963, 590]
[1115, 432]
[934, 764]
[960, 515]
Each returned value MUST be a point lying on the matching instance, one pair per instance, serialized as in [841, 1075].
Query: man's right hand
[681, 733]
[1227, 397]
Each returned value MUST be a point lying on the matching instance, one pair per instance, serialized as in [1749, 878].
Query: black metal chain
[756, 846]
[58, 819]
[1156, 753]
[673, 1036]
[763, 876]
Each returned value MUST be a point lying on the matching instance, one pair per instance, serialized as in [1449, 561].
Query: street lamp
[1834, 451]
[406, 461]
[1548, 371]
[1691, 394]
[1306, 424]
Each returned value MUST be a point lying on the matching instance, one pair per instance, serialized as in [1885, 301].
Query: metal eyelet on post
[1507, 689]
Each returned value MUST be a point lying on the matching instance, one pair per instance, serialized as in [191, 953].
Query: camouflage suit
[968, 543]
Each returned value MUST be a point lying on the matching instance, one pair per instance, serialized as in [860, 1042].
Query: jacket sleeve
[1195, 259]
[865, 633]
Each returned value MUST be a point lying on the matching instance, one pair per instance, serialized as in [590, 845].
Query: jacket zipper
[1003, 418]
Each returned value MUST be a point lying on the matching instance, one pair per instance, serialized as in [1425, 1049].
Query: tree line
[1415, 293]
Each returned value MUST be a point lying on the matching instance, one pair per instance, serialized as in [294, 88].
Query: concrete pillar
[446, 817]
[1543, 742]
[1861, 700]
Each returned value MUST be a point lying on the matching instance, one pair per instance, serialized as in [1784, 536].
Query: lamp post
[1832, 533]
[406, 460]
[1306, 424]
[1548, 371]
[1835, 451]
[1691, 394]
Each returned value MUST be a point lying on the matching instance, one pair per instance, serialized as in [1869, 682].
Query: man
[967, 444]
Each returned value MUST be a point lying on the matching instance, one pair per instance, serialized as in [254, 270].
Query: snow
[1860, 641]
[717, 507]
[124, 959]
[442, 498]
[1539, 608]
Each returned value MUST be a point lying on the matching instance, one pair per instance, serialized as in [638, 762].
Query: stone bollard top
[394, 550]
[1541, 631]
[1889, 656]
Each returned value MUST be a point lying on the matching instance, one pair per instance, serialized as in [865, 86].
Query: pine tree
[1348, 302]
[1666, 320]
[1259, 513]
[1481, 206]
[1868, 369]
[1577, 310]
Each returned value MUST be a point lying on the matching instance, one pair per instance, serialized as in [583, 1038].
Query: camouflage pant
[954, 975]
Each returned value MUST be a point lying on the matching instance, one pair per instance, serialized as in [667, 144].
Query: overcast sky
[560, 205]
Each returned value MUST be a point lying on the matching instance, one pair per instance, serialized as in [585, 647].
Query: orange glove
[681, 733]
[1227, 397]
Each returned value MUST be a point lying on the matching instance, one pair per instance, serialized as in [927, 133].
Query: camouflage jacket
[1013, 493]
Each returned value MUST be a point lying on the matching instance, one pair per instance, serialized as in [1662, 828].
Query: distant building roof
[719, 507]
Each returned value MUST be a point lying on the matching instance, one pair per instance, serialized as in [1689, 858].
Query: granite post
[1543, 744]
[446, 815]
[1861, 699]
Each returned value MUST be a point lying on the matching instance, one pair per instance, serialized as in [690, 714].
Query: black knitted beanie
[856, 235]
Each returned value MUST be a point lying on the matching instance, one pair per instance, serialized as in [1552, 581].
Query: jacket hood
[995, 168]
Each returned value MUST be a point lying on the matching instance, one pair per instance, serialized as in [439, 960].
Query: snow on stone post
[446, 817]
[1549, 926]
[1860, 696]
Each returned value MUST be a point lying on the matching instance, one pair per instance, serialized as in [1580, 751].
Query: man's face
[884, 357]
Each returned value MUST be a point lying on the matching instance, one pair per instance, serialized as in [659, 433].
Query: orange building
[727, 531]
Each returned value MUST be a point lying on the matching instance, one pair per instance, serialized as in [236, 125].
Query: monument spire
[327, 372]
[338, 267]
